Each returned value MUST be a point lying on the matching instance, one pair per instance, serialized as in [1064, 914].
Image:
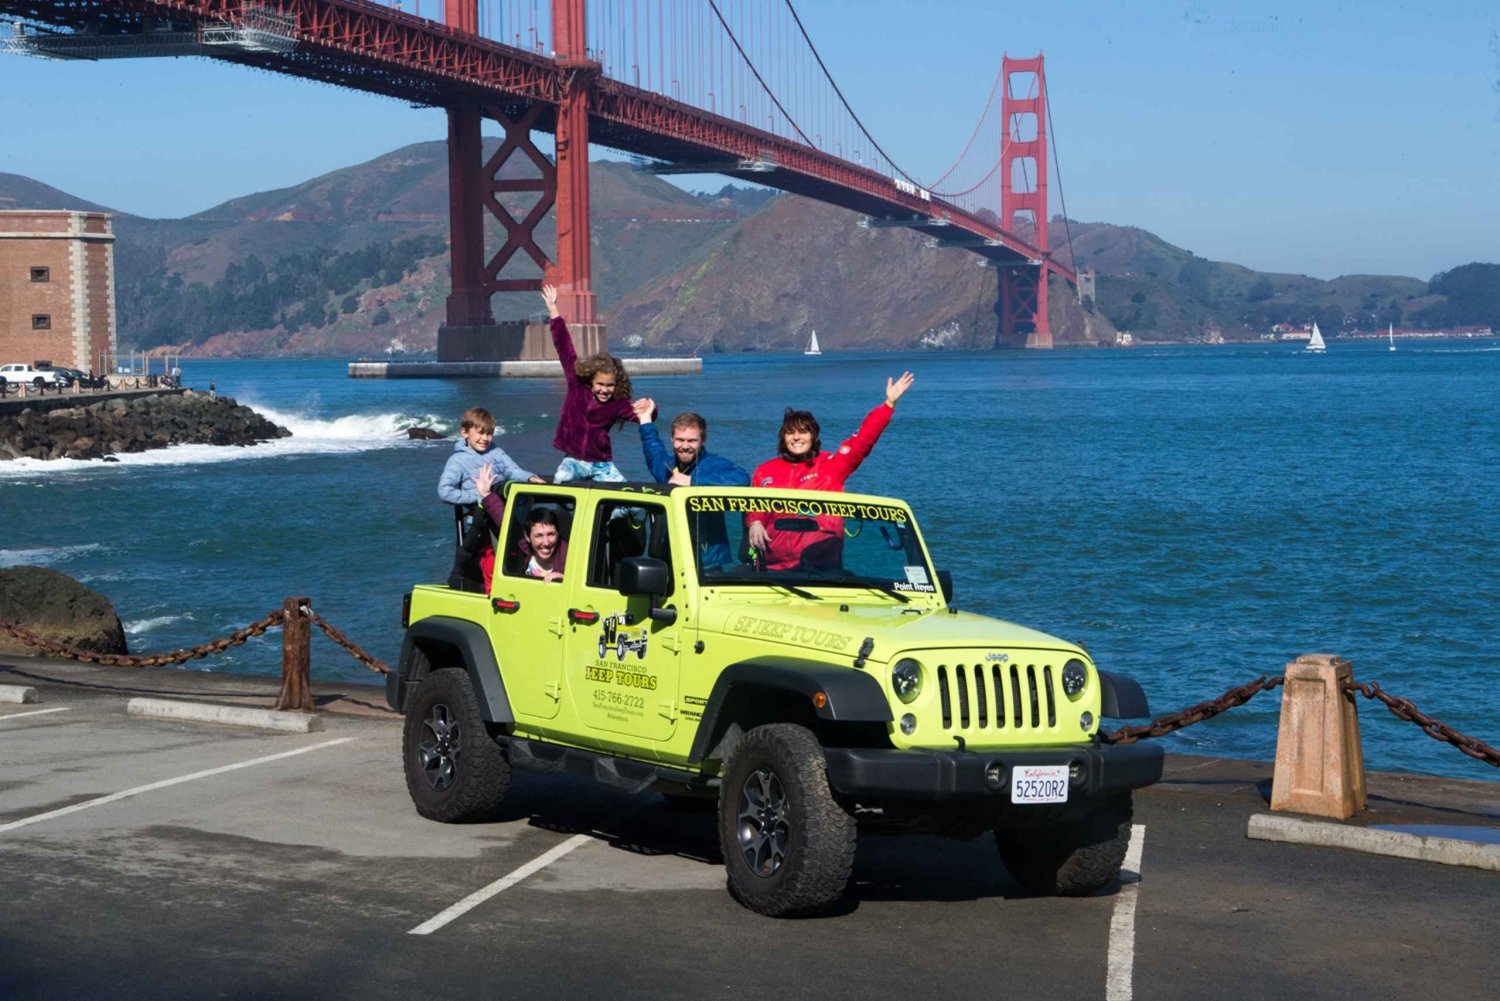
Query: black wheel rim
[438, 748]
[762, 824]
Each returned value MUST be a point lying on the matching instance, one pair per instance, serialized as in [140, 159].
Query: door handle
[507, 605]
[578, 616]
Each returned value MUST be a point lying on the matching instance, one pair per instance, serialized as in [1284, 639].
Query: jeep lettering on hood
[789, 632]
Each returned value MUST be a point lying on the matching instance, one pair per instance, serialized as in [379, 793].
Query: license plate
[1039, 784]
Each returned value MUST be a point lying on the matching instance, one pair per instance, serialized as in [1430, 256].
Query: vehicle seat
[621, 540]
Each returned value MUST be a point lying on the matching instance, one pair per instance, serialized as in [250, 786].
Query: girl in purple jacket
[598, 397]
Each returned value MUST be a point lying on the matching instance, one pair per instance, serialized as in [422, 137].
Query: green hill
[1162, 292]
[355, 260]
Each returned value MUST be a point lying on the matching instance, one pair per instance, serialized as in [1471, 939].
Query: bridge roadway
[303, 873]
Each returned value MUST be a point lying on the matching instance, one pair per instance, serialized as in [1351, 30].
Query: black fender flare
[473, 645]
[853, 696]
[1121, 697]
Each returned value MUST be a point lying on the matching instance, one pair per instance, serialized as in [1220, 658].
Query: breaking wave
[140, 626]
[43, 556]
[310, 436]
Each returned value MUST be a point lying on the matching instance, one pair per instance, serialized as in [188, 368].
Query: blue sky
[1317, 138]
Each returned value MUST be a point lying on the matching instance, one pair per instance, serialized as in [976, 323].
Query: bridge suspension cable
[1062, 198]
[760, 79]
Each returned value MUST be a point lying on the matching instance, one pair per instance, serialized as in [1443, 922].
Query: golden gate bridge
[729, 87]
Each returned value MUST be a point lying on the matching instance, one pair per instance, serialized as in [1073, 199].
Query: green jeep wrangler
[822, 677]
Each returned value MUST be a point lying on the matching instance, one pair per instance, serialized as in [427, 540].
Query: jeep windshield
[796, 539]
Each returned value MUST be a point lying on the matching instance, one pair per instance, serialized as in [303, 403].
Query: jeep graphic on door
[613, 634]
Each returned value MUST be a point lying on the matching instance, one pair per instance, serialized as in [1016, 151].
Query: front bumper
[959, 775]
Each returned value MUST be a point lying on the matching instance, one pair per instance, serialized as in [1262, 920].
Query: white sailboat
[812, 345]
[1391, 333]
[1316, 345]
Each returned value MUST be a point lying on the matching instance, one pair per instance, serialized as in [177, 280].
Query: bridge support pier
[1022, 306]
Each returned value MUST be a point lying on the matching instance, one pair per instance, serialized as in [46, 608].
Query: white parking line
[537, 864]
[1119, 981]
[125, 794]
[478, 897]
[34, 712]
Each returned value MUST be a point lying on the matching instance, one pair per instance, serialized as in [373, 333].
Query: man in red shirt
[800, 465]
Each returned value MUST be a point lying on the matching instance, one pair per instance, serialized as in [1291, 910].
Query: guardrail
[295, 618]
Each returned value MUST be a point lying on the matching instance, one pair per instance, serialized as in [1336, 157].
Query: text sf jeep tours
[841, 683]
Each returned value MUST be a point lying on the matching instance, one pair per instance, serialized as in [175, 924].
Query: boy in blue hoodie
[456, 486]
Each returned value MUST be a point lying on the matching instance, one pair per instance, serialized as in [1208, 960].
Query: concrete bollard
[1320, 766]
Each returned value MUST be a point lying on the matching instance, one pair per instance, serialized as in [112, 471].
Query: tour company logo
[615, 635]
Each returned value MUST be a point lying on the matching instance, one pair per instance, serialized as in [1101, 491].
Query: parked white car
[22, 374]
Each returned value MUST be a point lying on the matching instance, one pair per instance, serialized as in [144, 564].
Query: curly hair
[587, 368]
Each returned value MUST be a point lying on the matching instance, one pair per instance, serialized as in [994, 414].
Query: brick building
[57, 288]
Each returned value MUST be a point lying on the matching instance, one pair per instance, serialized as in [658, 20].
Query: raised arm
[562, 340]
[658, 461]
[507, 467]
[857, 447]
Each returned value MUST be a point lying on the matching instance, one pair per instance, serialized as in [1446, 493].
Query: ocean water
[1195, 516]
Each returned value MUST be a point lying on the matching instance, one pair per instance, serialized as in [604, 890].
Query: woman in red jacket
[801, 465]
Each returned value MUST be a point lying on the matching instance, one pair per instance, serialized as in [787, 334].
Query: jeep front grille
[997, 697]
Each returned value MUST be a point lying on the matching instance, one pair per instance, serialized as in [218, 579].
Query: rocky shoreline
[109, 427]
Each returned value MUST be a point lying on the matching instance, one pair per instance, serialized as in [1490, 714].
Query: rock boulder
[56, 607]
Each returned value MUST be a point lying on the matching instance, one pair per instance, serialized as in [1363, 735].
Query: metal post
[296, 657]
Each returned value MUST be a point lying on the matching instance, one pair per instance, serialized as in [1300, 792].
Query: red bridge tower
[474, 189]
[1023, 205]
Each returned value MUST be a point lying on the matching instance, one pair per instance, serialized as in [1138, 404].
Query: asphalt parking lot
[153, 859]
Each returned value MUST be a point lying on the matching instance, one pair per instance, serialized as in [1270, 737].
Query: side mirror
[643, 575]
[647, 575]
[945, 581]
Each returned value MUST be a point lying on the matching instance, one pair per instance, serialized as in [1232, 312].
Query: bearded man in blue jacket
[690, 463]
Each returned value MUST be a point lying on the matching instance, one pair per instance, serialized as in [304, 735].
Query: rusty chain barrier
[235, 638]
[296, 693]
[1164, 725]
[293, 618]
[1403, 709]
[1399, 707]
[373, 663]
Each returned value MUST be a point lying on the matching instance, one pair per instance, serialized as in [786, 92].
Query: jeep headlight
[1075, 678]
[906, 680]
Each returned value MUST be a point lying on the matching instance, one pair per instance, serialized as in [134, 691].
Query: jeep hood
[823, 628]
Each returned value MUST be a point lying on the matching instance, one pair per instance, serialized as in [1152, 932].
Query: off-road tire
[815, 837]
[455, 771]
[603, 646]
[1072, 859]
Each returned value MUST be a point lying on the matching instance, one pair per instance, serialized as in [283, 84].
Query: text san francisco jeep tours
[825, 678]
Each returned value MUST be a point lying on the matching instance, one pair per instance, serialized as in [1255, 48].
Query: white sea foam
[310, 436]
[42, 556]
[148, 625]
